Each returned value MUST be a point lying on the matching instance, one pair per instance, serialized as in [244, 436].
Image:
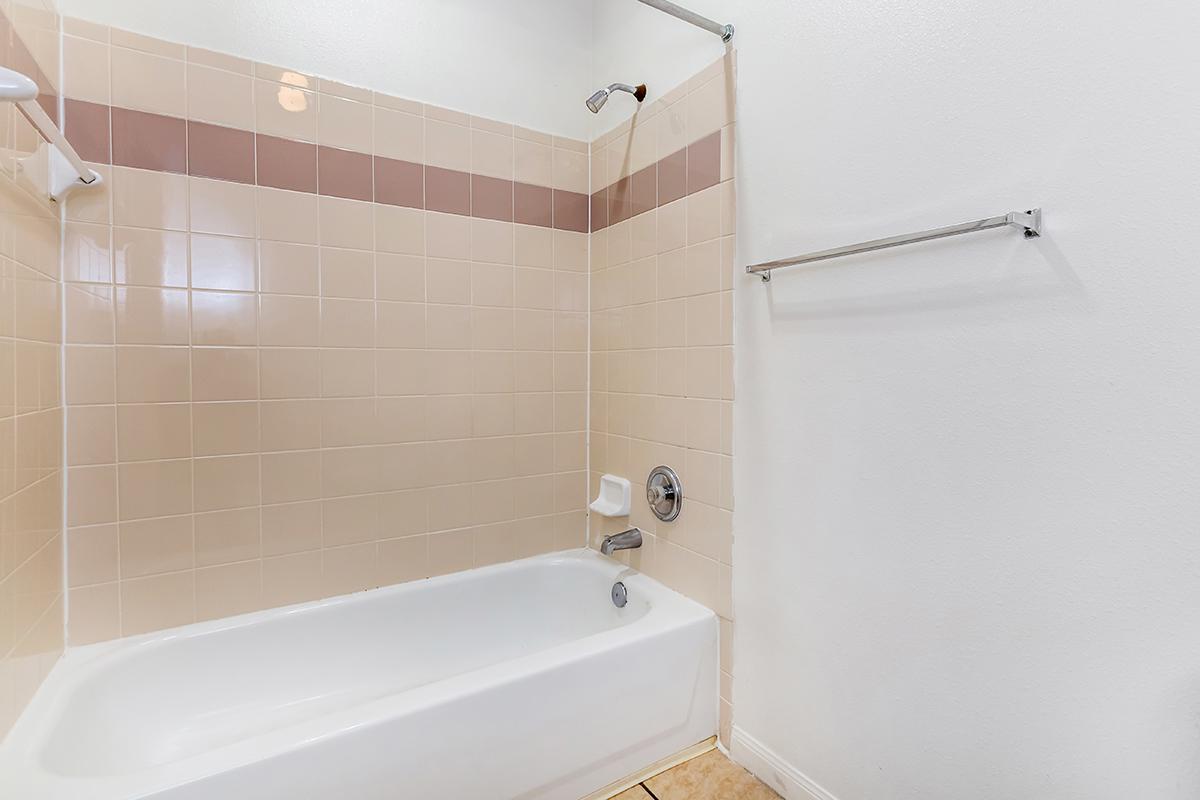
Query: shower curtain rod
[724, 31]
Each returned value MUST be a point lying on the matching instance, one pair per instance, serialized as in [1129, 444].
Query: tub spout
[625, 540]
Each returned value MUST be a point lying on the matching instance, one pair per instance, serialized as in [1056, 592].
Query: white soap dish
[614, 497]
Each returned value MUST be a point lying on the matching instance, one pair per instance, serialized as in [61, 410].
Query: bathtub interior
[176, 695]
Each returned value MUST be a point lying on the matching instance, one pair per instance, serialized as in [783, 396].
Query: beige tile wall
[275, 396]
[31, 545]
[662, 348]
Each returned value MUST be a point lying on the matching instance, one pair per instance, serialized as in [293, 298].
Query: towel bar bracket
[1030, 220]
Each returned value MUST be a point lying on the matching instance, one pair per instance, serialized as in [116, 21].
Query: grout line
[62, 354]
[27, 632]
[189, 182]
[258, 308]
[28, 487]
[587, 399]
[110, 222]
[647, 790]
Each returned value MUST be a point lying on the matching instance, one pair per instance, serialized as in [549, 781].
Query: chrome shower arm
[638, 92]
[625, 87]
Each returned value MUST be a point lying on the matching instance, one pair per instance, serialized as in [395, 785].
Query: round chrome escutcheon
[664, 492]
[620, 595]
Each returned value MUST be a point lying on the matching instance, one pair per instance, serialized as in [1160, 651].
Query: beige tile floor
[711, 776]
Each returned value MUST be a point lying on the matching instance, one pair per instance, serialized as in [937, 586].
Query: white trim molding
[772, 770]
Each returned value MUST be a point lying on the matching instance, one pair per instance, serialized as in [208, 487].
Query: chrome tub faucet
[625, 540]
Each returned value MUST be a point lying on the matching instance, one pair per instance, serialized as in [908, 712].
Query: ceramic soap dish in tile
[614, 497]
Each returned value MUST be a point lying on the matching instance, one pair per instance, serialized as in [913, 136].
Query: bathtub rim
[86, 653]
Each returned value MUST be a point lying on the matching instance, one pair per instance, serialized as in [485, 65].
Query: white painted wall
[968, 472]
[520, 61]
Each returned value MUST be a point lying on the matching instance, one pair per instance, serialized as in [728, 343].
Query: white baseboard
[772, 770]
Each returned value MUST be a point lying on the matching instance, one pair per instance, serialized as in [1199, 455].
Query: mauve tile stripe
[600, 210]
[447, 190]
[672, 177]
[491, 198]
[682, 173]
[618, 201]
[286, 164]
[148, 141]
[533, 205]
[571, 211]
[399, 183]
[159, 142]
[643, 193]
[88, 131]
[215, 151]
[704, 163]
[344, 173]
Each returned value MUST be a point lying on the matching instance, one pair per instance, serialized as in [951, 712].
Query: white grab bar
[62, 177]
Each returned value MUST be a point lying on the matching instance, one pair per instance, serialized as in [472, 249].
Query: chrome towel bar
[1029, 221]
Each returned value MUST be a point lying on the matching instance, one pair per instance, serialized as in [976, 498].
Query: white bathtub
[521, 680]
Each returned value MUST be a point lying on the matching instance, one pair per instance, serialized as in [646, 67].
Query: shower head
[597, 100]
